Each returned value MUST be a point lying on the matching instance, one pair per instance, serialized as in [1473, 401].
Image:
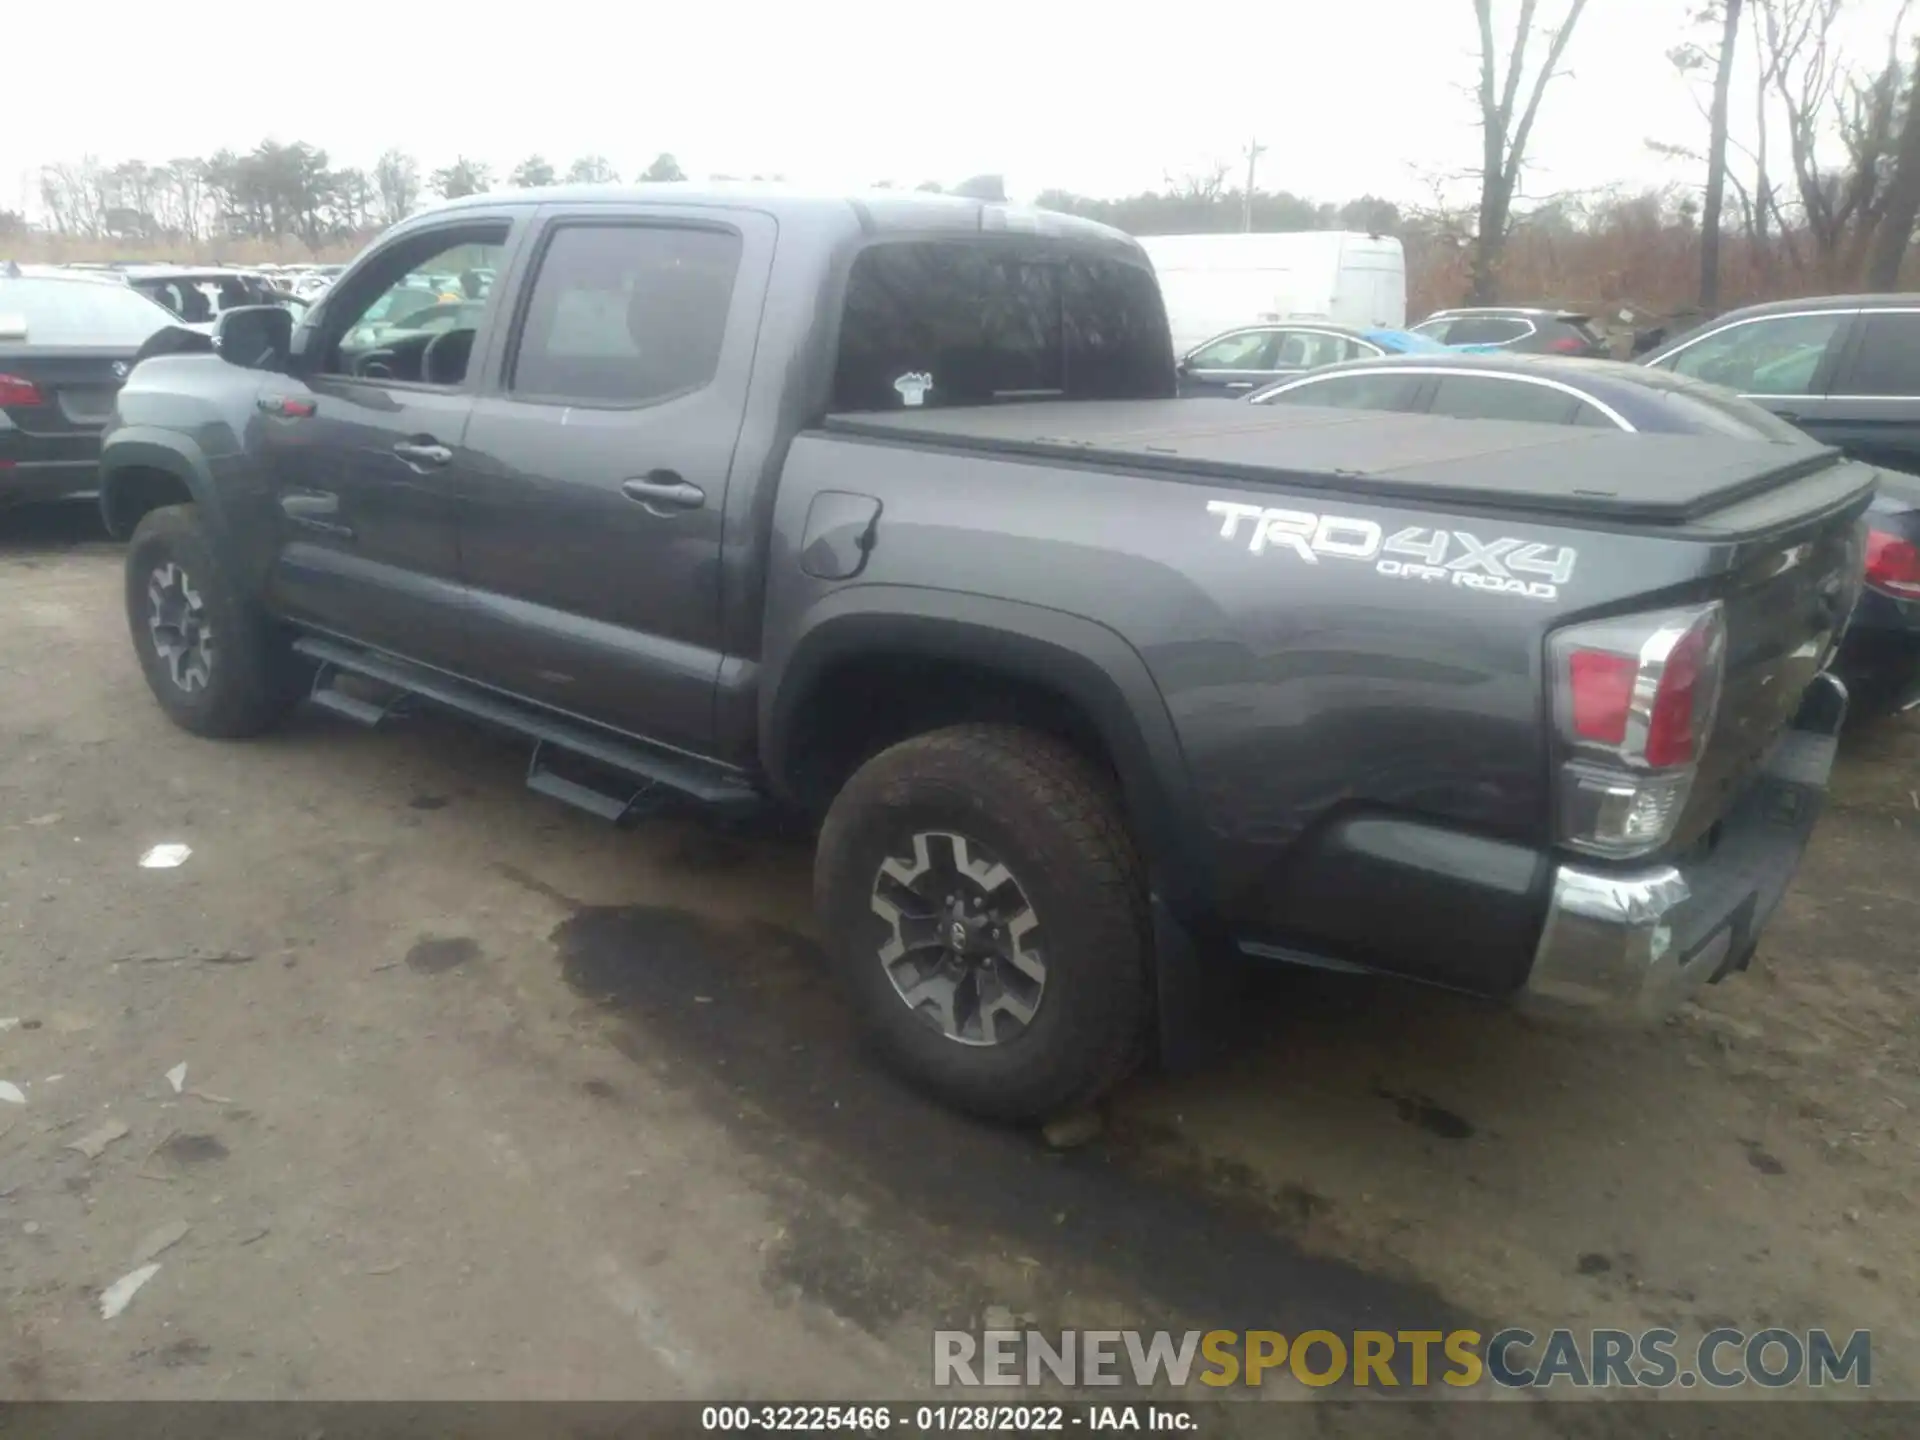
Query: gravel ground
[484, 1099]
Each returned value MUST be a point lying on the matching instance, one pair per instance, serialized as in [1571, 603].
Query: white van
[1213, 283]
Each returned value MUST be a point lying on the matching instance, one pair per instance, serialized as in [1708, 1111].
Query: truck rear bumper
[1638, 942]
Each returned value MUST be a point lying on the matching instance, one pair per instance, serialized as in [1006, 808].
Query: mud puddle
[896, 1208]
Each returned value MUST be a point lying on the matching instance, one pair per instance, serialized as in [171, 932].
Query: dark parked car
[1515, 328]
[67, 342]
[198, 295]
[885, 508]
[1245, 359]
[1881, 654]
[1846, 369]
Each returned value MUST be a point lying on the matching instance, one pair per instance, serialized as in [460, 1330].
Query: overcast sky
[1350, 96]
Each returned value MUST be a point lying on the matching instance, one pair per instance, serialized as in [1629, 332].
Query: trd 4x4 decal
[1443, 557]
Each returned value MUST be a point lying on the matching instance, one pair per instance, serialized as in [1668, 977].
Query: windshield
[81, 312]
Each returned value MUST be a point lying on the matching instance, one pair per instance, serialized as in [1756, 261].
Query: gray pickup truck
[882, 510]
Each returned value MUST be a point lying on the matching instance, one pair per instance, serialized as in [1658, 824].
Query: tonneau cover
[1606, 474]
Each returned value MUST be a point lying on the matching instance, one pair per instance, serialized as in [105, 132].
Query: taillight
[1634, 700]
[1568, 345]
[15, 391]
[1893, 565]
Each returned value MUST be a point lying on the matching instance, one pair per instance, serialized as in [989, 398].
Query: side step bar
[651, 769]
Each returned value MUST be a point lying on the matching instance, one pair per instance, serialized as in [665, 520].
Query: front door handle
[663, 490]
[424, 451]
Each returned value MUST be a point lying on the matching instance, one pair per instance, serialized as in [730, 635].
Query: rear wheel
[987, 911]
[213, 659]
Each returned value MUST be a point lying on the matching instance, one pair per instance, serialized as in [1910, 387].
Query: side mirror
[254, 337]
[1184, 365]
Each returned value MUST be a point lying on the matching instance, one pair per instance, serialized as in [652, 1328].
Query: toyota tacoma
[883, 509]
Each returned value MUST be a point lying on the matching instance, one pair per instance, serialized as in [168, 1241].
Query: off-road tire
[1056, 822]
[254, 678]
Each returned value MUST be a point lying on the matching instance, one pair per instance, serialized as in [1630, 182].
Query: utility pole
[1254, 151]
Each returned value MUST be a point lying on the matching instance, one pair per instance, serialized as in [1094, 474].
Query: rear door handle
[662, 491]
[426, 451]
[317, 510]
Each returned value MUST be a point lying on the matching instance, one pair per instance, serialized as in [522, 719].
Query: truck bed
[1429, 459]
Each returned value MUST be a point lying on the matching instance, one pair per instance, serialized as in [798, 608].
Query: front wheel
[212, 658]
[987, 911]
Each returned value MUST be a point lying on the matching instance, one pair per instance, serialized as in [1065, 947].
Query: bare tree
[1717, 157]
[1205, 185]
[1803, 65]
[462, 177]
[1506, 126]
[396, 180]
[1903, 195]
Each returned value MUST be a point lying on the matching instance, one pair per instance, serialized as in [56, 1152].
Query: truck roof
[1586, 473]
[869, 211]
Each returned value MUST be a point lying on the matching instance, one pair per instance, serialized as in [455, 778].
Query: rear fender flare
[1083, 662]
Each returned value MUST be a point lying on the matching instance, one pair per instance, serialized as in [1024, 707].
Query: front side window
[626, 314]
[1310, 349]
[1761, 357]
[1465, 397]
[961, 322]
[1350, 392]
[418, 324]
[81, 312]
[1248, 350]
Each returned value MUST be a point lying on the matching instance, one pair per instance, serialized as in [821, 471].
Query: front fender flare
[150, 448]
[1082, 661]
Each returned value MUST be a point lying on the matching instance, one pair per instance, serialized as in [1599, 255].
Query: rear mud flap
[1200, 987]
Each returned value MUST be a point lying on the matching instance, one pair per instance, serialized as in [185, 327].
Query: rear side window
[1469, 397]
[960, 323]
[1777, 355]
[1249, 350]
[1487, 330]
[626, 314]
[1888, 361]
[1351, 392]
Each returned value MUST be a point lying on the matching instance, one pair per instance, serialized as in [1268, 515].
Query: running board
[652, 769]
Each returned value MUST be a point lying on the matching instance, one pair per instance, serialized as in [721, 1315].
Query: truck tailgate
[1788, 595]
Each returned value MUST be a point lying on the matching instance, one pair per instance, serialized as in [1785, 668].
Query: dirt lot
[484, 1099]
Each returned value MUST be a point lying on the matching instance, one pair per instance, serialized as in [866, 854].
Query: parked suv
[1530, 332]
